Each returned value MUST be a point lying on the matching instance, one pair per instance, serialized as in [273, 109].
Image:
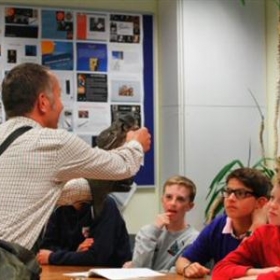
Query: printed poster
[92, 57]
[125, 28]
[21, 22]
[92, 87]
[57, 55]
[57, 24]
[92, 26]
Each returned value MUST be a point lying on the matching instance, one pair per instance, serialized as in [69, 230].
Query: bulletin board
[104, 61]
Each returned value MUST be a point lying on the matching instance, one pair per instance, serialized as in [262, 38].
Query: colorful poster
[92, 26]
[125, 28]
[57, 24]
[57, 55]
[21, 22]
[91, 57]
[92, 87]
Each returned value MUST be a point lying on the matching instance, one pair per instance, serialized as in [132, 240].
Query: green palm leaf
[220, 177]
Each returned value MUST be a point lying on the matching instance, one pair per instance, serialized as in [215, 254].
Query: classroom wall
[272, 73]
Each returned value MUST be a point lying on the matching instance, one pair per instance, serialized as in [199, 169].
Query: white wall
[272, 72]
[222, 56]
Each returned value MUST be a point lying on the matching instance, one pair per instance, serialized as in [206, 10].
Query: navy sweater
[64, 234]
[211, 244]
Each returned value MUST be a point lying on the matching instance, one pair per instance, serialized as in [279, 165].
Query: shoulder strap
[15, 134]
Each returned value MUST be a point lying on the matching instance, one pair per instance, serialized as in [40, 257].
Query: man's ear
[42, 103]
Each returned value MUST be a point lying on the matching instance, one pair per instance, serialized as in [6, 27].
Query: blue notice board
[146, 175]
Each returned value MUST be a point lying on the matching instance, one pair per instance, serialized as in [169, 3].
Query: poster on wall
[92, 118]
[57, 55]
[21, 22]
[92, 57]
[126, 89]
[125, 59]
[125, 28]
[57, 24]
[16, 52]
[92, 87]
[92, 26]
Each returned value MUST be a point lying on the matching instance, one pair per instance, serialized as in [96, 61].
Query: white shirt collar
[228, 229]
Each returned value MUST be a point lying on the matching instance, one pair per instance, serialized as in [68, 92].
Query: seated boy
[158, 245]
[258, 255]
[74, 237]
[245, 194]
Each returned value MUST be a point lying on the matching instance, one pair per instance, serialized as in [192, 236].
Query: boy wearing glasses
[245, 194]
[258, 256]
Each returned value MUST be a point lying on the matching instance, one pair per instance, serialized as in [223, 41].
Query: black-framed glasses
[239, 193]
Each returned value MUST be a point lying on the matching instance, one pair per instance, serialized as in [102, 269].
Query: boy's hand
[162, 220]
[43, 256]
[85, 245]
[196, 270]
[259, 217]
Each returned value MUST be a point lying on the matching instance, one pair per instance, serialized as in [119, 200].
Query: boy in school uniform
[258, 257]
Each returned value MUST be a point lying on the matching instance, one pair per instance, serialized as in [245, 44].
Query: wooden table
[51, 272]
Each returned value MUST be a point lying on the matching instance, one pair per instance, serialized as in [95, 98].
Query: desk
[52, 272]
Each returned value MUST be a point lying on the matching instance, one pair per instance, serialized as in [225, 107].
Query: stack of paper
[117, 273]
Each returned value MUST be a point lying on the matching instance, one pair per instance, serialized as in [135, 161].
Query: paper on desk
[117, 273]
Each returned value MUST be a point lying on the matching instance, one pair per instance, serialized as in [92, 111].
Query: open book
[117, 273]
